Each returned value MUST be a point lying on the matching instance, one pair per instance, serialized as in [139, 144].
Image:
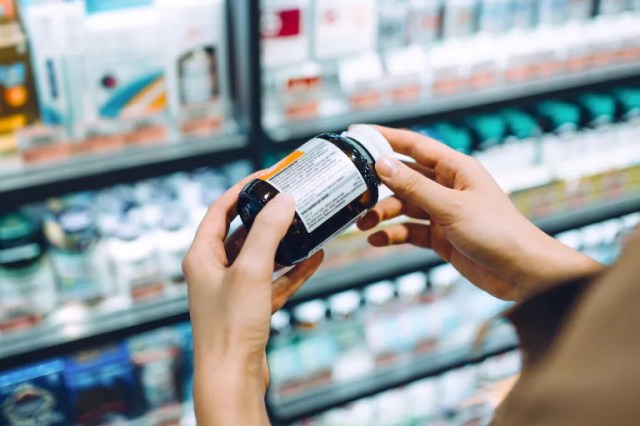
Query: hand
[472, 223]
[231, 299]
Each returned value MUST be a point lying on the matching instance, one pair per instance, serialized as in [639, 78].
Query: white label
[320, 178]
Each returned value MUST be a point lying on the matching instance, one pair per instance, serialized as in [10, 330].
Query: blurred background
[122, 120]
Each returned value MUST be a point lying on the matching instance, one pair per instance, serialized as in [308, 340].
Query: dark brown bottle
[333, 181]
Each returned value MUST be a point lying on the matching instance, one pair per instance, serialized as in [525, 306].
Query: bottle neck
[361, 150]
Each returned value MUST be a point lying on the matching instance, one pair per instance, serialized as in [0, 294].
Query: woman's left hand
[231, 299]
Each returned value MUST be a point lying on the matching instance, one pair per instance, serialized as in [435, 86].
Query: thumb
[270, 226]
[412, 186]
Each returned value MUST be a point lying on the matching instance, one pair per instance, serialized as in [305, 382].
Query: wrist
[225, 393]
[547, 262]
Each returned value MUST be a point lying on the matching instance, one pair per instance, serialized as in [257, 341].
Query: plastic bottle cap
[371, 139]
[443, 276]
[490, 129]
[379, 293]
[310, 312]
[455, 137]
[629, 99]
[412, 284]
[76, 219]
[559, 113]
[598, 106]
[520, 124]
[16, 226]
[280, 320]
[344, 303]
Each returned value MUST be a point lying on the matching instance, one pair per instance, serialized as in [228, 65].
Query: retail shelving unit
[97, 327]
[420, 109]
[34, 182]
[252, 139]
[305, 405]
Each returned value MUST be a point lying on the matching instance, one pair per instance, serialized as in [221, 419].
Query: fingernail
[386, 166]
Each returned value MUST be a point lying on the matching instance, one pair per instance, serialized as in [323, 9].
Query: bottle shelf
[283, 131]
[303, 405]
[21, 181]
[94, 327]
[100, 326]
[565, 217]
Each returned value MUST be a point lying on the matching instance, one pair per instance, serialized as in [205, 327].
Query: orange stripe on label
[281, 165]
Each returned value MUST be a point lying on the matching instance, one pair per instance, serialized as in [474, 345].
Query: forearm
[547, 262]
[228, 396]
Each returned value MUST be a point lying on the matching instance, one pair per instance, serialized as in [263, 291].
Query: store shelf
[102, 327]
[394, 264]
[281, 132]
[95, 329]
[20, 184]
[313, 402]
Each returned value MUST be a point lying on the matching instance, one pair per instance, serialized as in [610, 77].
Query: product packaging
[43, 144]
[136, 268]
[57, 38]
[524, 13]
[125, 68]
[155, 359]
[27, 283]
[76, 252]
[425, 21]
[354, 360]
[34, 395]
[286, 32]
[393, 18]
[18, 101]
[299, 90]
[495, 16]
[344, 27]
[406, 70]
[552, 12]
[362, 80]
[333, 182]
[580, 10]
[485, 72]
[317, 348]
[561, 142]
[459, 18]
[448, 75]
[185, 338]
[196, 64]
[101, 386]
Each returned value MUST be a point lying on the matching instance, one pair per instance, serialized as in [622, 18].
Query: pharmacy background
[121, 121]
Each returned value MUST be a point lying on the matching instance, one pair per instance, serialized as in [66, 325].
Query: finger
[233, 243]
[270, 226]
[288, 284]
[415, 188]
[423, 170]
[424, 150]
[215, 225]
[416, 234]
[391, 208]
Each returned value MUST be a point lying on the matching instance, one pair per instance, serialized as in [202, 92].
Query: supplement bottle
[27, 283]
[333, 181]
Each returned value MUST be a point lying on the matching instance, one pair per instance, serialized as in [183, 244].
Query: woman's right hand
[473, 224]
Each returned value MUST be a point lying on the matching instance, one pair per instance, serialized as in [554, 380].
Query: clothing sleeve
[581, 344]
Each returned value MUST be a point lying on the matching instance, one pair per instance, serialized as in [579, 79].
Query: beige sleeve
[588, 373]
